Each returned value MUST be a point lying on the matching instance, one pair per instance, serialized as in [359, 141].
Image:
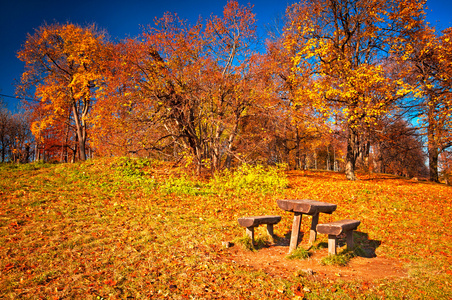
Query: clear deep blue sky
[123, 18]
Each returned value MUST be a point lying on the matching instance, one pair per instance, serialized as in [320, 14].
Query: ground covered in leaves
[124, 229]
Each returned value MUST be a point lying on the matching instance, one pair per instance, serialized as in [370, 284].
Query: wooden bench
[334, 229]
[250, 222]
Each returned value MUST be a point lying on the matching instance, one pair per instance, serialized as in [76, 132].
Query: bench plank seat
[336, 228]
[251, 222]
[258, 220]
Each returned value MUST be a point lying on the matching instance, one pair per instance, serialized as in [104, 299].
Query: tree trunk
[352, 142]
[216, 150]
[365, 154]
[37, 152]
[3, 154]
[328, 158]
[81, 132]
[231, 140]
[433, 152]
[315, 159]
[433, 161]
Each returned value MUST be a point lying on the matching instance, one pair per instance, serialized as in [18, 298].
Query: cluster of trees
[341, 85]
[16, 140]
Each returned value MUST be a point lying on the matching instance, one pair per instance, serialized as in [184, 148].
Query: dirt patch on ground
[273, 260]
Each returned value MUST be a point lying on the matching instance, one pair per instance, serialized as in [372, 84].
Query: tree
[15, 136]
[446, 164]
[296, 127]
[52, 140]
[62, 69]
[5, 137]
[431, 68]
[184, 88]
[21, 138]
[340, 48]
[398, 149]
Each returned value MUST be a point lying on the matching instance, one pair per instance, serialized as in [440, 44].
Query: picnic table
[307, 207]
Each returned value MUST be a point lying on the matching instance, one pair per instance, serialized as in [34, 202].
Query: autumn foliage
[62, 67]
[317, 93]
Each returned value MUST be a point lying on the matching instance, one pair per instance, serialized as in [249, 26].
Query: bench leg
[349, 237]
[331, 244]
[295, 231]
[270, 229]
[250, 233]
[313, 231]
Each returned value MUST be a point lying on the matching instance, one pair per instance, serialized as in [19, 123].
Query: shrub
[248, 178]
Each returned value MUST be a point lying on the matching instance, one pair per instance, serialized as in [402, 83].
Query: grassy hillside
[124, 229]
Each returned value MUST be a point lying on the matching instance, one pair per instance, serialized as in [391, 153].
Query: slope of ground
[98, 230]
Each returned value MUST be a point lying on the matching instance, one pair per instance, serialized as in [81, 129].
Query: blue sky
[123, 18]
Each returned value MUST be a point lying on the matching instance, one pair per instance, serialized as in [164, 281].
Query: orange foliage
[430, 64]
[203, 94]
[182, 90]
[62, 69]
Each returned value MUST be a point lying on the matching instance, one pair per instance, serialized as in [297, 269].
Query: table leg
[295, 231]
[250, 233]
[313, 231]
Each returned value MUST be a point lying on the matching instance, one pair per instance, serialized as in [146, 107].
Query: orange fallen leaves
[153, 244]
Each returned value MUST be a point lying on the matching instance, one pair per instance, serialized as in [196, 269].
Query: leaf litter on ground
[91, 230]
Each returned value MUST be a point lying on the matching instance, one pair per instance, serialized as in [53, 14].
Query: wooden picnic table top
[305, 206]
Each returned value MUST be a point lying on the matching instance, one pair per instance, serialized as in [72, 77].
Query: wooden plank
[295, 231]
[337, 227]
[286, 205]
[258, 220]
[306, 206]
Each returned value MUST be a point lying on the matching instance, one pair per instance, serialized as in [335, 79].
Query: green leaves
[247, 179]
[251, 179]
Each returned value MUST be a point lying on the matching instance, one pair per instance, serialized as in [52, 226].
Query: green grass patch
[299, 253]
[340, 259]
[245, 242]
[259, 242]
[245, 179]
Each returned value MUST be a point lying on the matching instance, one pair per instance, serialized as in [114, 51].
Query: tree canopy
[338, 86]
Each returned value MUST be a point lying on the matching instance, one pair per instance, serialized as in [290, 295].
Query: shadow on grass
[285, 240]
[364, 246]
[260, 242]
[265, 241]
[389, 177]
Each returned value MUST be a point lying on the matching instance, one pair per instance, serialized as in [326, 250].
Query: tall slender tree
[62, 70]
[431, 71]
